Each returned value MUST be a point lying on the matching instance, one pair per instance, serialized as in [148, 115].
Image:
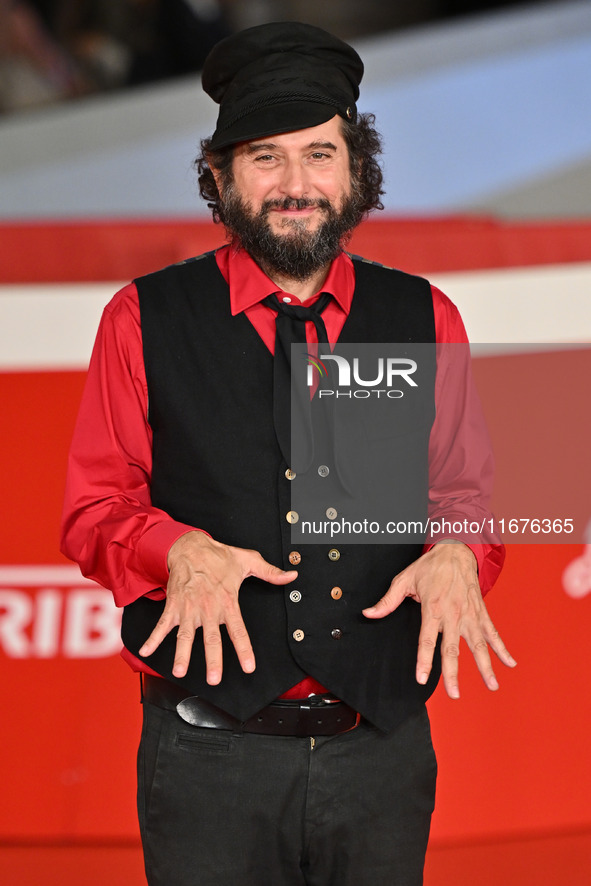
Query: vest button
[336, 633]
[336, 593]
[331, 513]
[298, 635]
[334, 555]
[323, 470]
[295, 596]
[290, 474]
[292, 516]
[294, 558]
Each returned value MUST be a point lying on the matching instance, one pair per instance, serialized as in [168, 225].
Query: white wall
[53, 326]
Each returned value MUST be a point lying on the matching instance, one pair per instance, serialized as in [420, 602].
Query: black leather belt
[317, 715]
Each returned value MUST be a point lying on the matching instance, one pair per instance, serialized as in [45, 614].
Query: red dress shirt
[110, 527]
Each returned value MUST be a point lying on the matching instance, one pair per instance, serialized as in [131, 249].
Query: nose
[294, 180]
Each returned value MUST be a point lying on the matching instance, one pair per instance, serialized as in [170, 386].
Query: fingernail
[143, 650]
[493, 683]
[422, 679]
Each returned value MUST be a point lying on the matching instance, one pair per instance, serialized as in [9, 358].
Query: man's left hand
[445, 582]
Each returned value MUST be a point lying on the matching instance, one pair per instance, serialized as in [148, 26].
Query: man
[285, 736]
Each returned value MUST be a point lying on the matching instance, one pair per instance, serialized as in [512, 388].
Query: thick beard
[298, 253]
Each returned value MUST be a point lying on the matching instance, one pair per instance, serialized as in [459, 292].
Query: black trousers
[221, 809]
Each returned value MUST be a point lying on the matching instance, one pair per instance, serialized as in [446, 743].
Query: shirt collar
[250, 285]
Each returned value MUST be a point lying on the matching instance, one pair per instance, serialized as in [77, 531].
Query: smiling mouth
[297, 206]
[296, 213]
[295, 210]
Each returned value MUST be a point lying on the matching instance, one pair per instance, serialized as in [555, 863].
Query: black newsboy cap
[280, 77]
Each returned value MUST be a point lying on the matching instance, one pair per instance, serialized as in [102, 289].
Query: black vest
[217, 466]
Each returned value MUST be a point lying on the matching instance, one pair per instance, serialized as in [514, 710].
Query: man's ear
[216, 173]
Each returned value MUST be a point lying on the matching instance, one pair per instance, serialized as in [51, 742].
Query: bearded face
[291, 200]
[292, 248]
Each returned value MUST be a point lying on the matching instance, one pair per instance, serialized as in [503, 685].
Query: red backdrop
[511, 763]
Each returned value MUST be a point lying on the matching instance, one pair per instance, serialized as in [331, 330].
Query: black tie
[290, 326]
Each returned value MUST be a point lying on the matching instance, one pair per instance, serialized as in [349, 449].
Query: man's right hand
[202, 591]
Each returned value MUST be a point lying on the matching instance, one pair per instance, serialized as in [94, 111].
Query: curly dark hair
[364, 145]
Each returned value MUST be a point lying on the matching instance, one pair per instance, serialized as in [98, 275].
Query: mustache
[295, 203]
